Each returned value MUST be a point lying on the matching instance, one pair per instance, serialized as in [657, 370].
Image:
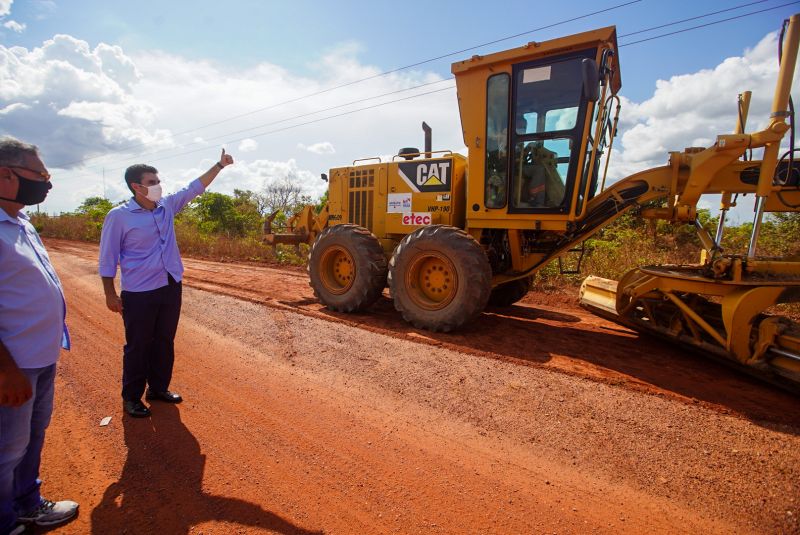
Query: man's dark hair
[134, 174]
[13, 151]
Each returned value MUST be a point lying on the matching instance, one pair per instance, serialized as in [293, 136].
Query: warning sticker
[399, 203]
[540, 74]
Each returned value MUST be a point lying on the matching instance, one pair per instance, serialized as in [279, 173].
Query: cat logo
[429, 176]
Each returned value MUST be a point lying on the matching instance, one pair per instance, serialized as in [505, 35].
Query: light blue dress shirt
[32, 306]
[142, 242]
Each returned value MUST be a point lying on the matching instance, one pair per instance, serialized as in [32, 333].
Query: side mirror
[591, 79]
[324, 177]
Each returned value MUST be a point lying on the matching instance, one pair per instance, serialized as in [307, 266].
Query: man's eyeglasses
[44, 174]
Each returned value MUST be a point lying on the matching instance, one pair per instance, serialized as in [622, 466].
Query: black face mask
[30, 192]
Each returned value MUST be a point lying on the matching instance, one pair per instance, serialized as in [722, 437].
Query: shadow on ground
[161, 486]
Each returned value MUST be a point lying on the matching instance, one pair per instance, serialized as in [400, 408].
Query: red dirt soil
[536, 418]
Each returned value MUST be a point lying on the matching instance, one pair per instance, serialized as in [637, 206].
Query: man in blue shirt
[32, 333]
[139, 236]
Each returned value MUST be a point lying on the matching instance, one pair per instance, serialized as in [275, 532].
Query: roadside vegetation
[214, 226]
[632, 241]
[231, 228]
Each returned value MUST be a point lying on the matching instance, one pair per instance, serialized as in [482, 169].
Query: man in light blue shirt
[139, 237]
[32, 333]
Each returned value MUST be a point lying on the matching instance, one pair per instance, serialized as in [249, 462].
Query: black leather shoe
[166, 395]
[135, 408]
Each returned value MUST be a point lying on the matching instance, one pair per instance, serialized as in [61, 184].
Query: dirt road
[538, 419]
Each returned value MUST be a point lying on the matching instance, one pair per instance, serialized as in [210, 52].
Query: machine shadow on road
[617, 356]
[161, 486]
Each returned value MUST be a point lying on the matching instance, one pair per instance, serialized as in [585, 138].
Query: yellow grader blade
[599, 296]
[725, 319]
[302, 227]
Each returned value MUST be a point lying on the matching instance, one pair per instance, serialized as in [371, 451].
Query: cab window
[547, 117]
[497, 95]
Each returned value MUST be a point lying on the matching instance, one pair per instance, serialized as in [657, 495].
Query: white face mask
[154, 193]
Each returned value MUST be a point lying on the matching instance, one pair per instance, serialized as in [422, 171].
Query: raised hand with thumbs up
[224, 161]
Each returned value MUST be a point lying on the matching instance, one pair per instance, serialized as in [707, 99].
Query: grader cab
[450, 234]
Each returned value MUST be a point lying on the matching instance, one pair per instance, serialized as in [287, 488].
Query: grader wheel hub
[433, 281]
[338, 270]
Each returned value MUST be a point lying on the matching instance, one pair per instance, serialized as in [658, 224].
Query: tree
[247, 206]
[285, 195]
[217, 213]
[95, 208]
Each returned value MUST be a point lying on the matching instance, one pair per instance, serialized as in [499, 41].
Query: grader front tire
[439, 278]
[347, 268]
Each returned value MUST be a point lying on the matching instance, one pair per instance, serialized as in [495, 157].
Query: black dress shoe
[166, 395]
[135, 408]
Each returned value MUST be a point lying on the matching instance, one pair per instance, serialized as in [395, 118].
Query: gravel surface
[539, 419]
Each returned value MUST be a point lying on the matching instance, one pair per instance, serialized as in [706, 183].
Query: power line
[261, 134]
[348, 84]
[431, 92]
[351, 103]
[707, 24]
[693, 18]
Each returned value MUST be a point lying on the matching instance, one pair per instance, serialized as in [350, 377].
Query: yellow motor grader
[452, 233]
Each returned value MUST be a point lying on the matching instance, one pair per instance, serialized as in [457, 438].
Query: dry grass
[191, 241]
[67, 226]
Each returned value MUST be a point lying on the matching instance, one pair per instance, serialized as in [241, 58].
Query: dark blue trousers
[151, 320]
[21, 439]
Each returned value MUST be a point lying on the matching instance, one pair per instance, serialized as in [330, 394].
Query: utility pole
[105, 196]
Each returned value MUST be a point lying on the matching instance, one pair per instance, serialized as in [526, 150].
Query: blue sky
[137, 74]
[241, 33]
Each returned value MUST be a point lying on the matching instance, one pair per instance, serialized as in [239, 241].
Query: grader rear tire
[509, 293]
[439, 278]
[347, 268]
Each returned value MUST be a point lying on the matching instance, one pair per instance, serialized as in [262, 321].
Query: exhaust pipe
[427, 129]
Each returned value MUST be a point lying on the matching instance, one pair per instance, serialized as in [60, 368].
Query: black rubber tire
[509, 293]
[473, 277]
[369, 262]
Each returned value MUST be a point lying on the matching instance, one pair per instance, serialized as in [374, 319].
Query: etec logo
[424, 177]
[416, 218]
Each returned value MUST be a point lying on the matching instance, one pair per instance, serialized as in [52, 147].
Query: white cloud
[5, 7]
[323, 147]
[185, 95]
[253, 175]
[15, 26]
[77, 101]
[248, 145]
[692, 109]
[73, 101]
